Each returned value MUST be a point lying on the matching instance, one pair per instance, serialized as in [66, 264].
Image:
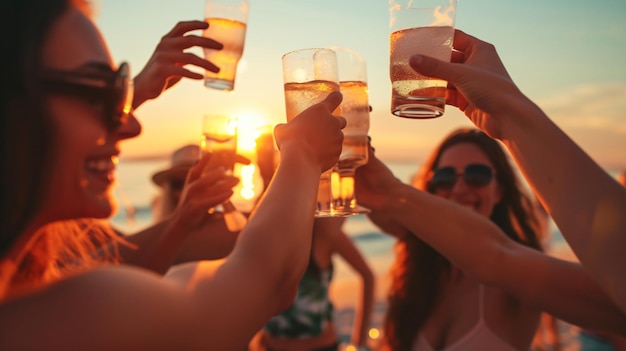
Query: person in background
[307, 324]
[591, 216]
[171, 180]
[434, 304]
[65, 110]
[492, 291]
[211, 240]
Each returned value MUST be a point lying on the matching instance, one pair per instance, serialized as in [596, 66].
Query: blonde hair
[63, 248]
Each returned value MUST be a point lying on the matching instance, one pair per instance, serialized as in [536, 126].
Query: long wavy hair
[29, 150]
[419, 271]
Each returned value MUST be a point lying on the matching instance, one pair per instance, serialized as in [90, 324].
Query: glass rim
[306, 50]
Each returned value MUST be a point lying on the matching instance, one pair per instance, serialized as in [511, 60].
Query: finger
[332, 100]
[342, 122]
[194, 60]
[213, 199]
[215, 176]
[457, 57]
[177, 72]
[242, 159]
[278, 132]
[463, 41]
[173, 80]
[204, 188]
[435, 68]
[188, 41]
[453, 98]
[186, 58]
[185, 26]
[196, 171]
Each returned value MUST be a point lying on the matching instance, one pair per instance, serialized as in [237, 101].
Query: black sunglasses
[97, 83]
[475, 175]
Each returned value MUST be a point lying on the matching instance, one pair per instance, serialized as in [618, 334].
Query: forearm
[286, 220]
[139, 87]
[155, 247]
[585, 202]
[448, 227]
[269, 259]
[363, 314]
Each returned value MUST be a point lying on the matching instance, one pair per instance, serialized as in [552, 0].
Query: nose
[129, 128]
[459, 184]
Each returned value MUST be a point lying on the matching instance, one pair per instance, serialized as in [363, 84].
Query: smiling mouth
[101, 170]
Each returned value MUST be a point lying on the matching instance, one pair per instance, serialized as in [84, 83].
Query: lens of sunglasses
[475, 175]
[443, 178]
[122, 96]
[478, 175]
[98, 84]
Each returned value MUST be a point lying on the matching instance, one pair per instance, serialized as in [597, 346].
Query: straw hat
[182, 160]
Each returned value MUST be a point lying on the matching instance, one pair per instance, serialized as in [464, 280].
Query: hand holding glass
[219, 138]
[309, 76]
[352, 69]
[419, 27]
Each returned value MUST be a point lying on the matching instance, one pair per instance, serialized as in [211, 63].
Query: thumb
[278, 133]
[332, 100]
[434, 68]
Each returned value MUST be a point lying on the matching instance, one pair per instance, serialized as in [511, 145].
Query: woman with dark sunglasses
[469, 272]
[585, 202]
[58, 170]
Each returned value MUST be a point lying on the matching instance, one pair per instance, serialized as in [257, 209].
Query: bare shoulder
[103, 303]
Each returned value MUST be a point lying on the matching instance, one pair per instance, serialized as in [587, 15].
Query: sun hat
[182, 160]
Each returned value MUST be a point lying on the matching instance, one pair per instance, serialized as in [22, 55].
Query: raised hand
[478, 83]
[202, 192]
[314, 133]
[373, 182]
[374, 188]
[166, 66]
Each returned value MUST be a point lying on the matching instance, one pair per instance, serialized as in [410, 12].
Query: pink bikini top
[480, 337]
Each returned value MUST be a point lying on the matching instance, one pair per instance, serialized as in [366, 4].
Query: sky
[566, 55]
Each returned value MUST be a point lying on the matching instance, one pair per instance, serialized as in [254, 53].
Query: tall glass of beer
[309, 75]
[219, 138]
[355, 108]
[227, 21]
[423, 27]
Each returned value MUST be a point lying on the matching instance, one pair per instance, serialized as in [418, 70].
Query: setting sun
[249, 128]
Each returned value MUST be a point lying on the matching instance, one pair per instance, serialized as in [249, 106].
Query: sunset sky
[567, 55]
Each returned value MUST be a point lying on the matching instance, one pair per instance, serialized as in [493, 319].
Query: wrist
[520, 117]
[400, 197]
[302, 157]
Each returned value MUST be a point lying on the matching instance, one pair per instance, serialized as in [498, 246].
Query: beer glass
[219, 138]
[309, 75]
[355, 109]
[227, 21]
[419, 27]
